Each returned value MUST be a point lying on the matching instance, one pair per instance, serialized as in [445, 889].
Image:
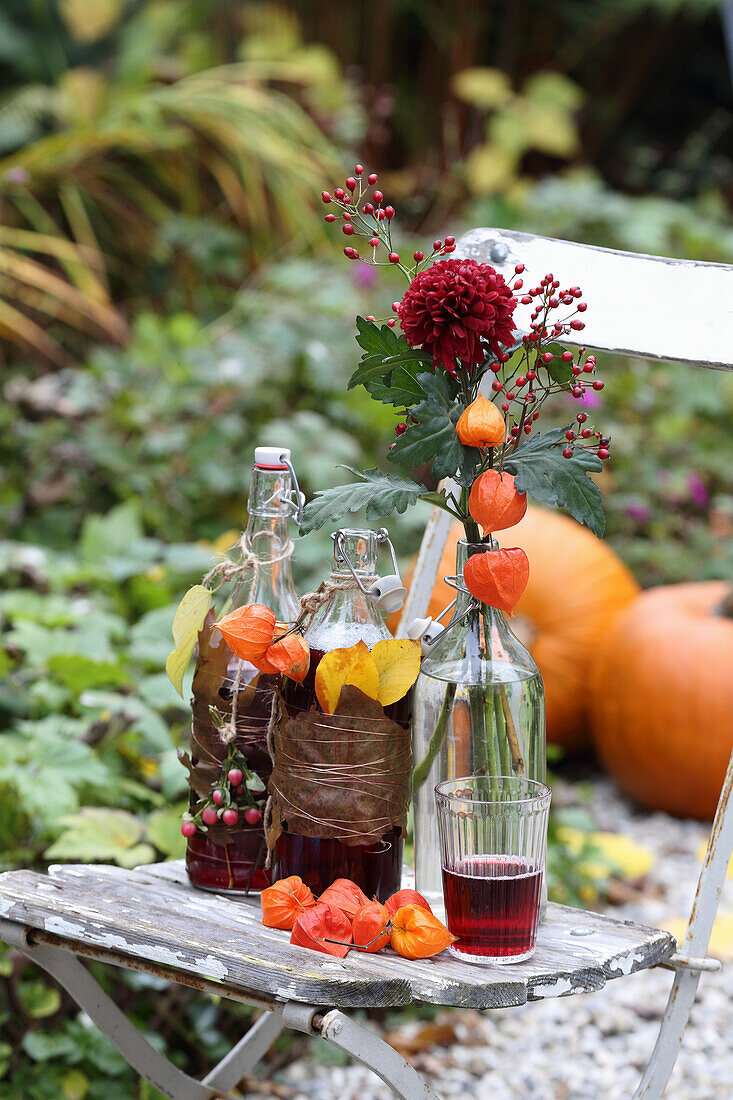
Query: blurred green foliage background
[169, 298]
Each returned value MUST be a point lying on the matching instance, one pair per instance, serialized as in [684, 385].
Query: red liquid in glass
[376, 868]
[237, 866]
[493, 905]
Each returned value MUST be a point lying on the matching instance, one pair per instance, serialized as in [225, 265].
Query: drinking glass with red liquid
[347, 618]
[493, 841]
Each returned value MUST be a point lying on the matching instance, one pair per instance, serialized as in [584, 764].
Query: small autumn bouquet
[468, 388]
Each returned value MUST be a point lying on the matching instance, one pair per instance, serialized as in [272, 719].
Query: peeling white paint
[63, 927]
[212, 967]
[623, 965]
[161, 954]
[555, 988]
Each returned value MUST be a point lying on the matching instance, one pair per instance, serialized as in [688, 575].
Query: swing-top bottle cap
[272, 458]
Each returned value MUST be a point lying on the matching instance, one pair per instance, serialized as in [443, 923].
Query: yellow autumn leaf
[339, 667]
[398, 665]
[187, 622]
[619, 853]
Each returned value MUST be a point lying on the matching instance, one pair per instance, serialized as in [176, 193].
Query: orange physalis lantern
[248, 631]
[481, 424]
[417, 934]
[495, 503]
[290, 656]
[345, 895]
[285, 900]
[318, 926]
[497, 577]
[372, 927]
[405, 897]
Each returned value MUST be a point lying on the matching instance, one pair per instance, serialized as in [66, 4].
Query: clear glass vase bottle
[232, 860]
[479, 709]
[348, 617]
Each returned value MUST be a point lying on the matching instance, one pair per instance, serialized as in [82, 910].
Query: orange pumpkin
[662, 698]
[494, 502]
[576, 586]
[481, 424]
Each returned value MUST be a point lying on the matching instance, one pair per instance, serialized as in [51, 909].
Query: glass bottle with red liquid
[231, 859]
[349, 616]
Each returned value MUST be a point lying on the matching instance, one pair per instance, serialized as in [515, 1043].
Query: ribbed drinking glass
[493, 843]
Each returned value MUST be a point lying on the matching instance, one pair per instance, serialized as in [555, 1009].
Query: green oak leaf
[540, 470]
[189, 619]
[433, 438]
[378, 341]
[380, 493]
[385, 351]
[401, 389]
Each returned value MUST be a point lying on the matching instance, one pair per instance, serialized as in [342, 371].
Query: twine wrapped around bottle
[343, 776]
[226, 570]
[219, 718]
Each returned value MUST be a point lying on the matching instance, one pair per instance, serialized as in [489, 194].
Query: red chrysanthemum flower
[450, 306]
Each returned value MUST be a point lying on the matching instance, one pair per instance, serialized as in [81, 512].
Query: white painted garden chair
[150, 919]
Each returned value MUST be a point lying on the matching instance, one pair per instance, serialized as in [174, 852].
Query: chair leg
[697, 937]
[373, 1052]
[242, 1058]
[111, 1021]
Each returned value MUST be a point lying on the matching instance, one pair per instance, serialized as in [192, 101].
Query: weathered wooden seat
[153, 914]
[151, 920]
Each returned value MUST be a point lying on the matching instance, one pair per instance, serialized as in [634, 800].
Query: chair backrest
[654, 308]
[647, 306]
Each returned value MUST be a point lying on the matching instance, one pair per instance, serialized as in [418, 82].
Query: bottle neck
[464, 551]
[480, 648]
[267, 538]
[349, 616]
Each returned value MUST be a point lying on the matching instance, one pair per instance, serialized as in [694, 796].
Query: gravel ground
[576, 1048]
